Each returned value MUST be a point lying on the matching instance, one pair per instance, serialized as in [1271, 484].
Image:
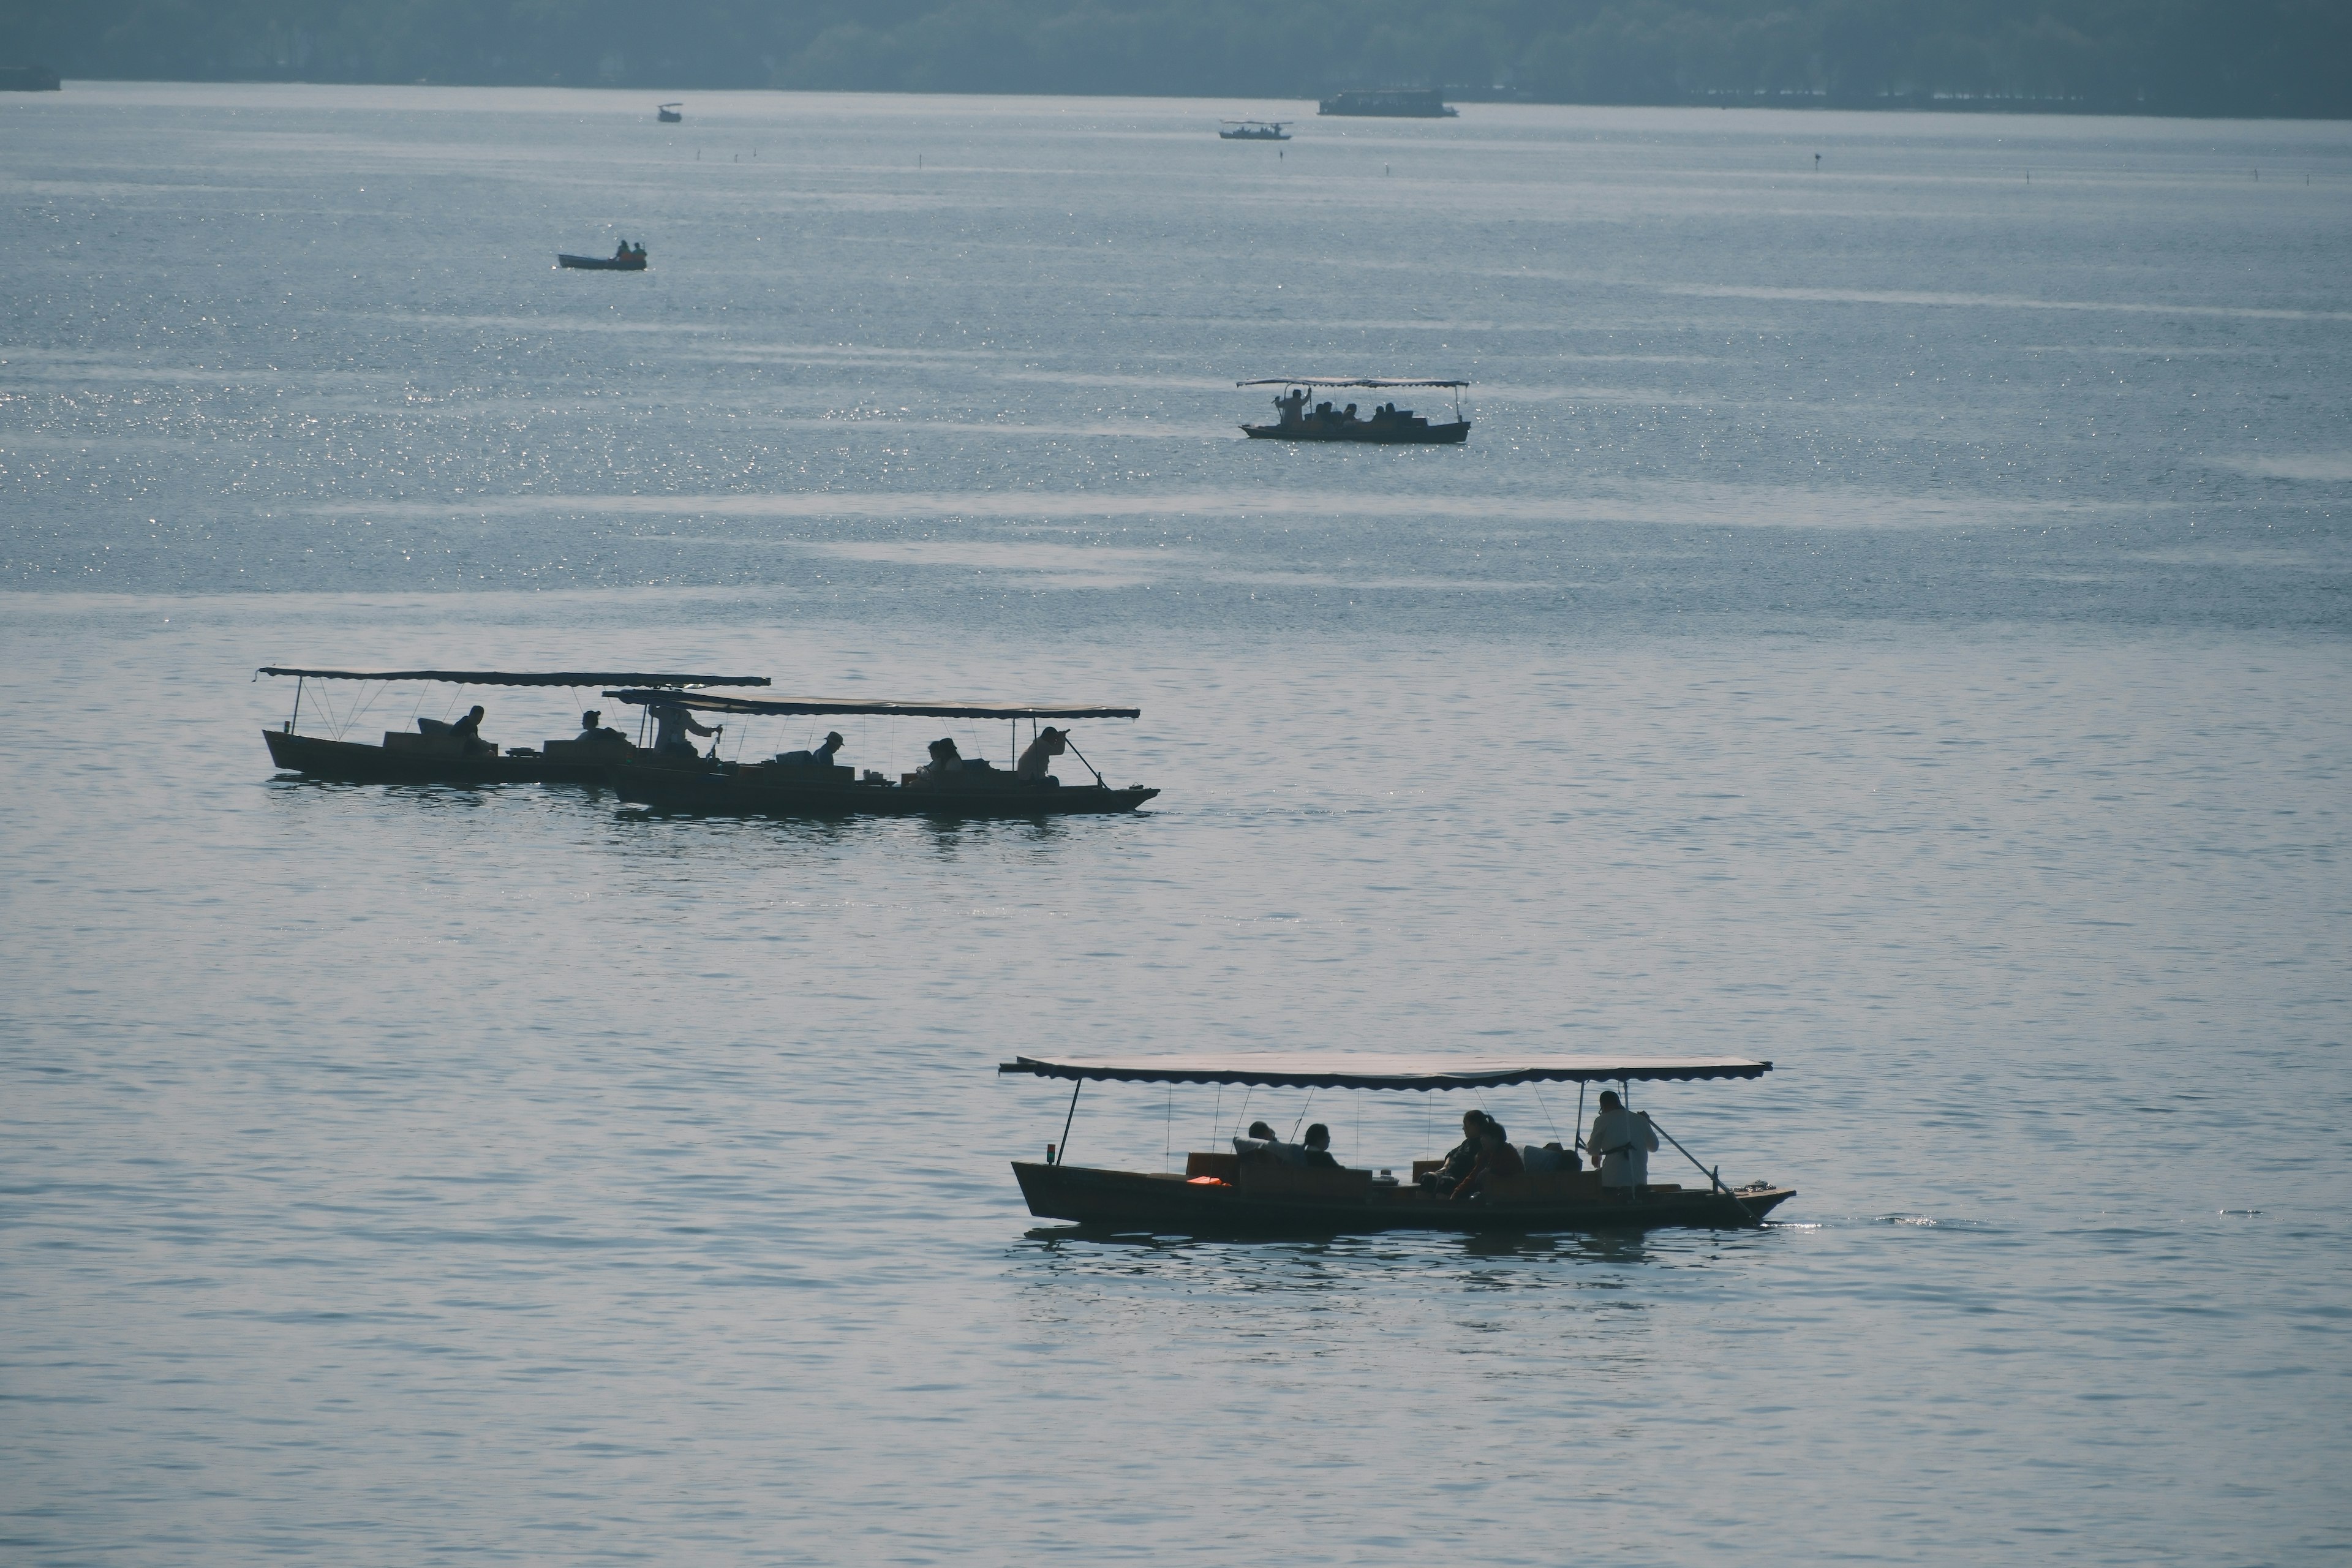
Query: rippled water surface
[1891, 619]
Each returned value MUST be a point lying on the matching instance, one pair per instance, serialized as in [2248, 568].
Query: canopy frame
[518, 677]
[1391, 1073]
[707, 702]
[1341, 381]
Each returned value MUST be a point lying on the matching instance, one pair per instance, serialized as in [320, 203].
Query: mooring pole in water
[1063, 1158]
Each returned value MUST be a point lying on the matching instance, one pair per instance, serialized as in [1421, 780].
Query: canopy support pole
[1063, 1155]
[1578, 1130]
[297, 706]
[1714, 1180]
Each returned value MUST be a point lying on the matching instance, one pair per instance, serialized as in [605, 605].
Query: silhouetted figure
[1620, 1144]
[1038, 758]
[1319, 1149]
[673, 725]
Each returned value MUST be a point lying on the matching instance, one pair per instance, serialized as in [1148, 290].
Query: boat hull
[353, 763]
[1133, 1201]
[600, 263]
[1452, 435]
[774, 792]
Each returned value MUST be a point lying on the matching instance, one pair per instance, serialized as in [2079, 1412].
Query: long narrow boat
[432, 754]
[1251, 1190]
[800, 784]
[630, 261]
[1387, 425]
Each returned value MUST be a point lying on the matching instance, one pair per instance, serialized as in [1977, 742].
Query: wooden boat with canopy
[1387, 425]
[805, 783]
[434, 753]
[1253, 1191]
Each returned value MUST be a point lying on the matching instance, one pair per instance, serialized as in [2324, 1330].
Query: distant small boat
[668, 114]
[1388, 427]
[1254, 131]
[620, 261]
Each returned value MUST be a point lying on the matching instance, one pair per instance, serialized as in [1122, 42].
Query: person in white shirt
[1034, 762]
[672, 725]
[1620, 1144]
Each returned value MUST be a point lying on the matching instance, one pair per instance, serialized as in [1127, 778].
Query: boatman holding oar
[675, 724]
[1620, 1144]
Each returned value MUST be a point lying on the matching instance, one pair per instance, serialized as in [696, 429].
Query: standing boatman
[1621, 1145]
[674, 725]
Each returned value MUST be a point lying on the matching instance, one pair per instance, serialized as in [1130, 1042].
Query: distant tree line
[2264, 57]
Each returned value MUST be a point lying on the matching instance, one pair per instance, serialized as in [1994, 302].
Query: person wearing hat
[820, 758]
[1034, 761]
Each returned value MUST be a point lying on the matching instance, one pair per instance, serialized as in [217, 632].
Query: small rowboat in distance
[667, 114]
[1254, 131]
[627, 262]
[1387, 425]
[798, 784]
[1250, 1192]
[432, 753]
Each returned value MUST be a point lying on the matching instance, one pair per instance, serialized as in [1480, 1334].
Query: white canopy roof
[1321, 1071]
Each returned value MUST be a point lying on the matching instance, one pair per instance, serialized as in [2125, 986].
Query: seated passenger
[1260, 1130]
[1459, 1159]
[1319, 1149]
[945, 758]
[592, 732]
[820, 758]
[1038, 758]
[469, 733]
[1496, 1158]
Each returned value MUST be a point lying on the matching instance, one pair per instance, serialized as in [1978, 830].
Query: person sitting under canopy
[1497, 1160]
[594, 732]
[1459, 1159]
[945, 758]
[1037, 761]
[820, 758]
[467, 732]
[1319, 1149]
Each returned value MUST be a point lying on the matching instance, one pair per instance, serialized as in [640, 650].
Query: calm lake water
[1890, 617]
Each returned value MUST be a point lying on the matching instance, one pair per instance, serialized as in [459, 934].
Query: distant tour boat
[1254, 131]
[796, 784]
[1264, 1188]
[668, 114]
[1386, 426]
[435, 752]
[1390, 103]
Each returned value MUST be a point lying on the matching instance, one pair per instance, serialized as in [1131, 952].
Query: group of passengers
[1293, 411]
[1619, 1145]
[674, 727]
[628, 252]
[1034, 767]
